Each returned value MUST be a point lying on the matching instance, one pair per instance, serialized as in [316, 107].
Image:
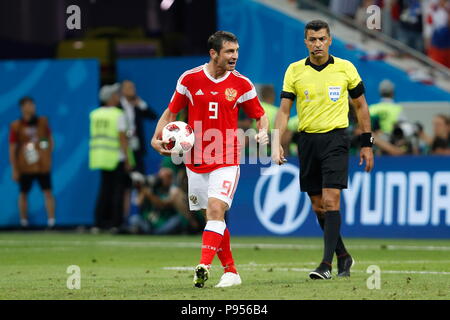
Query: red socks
[210, 243]
[211, 240]
[216, 238]
[224, 253]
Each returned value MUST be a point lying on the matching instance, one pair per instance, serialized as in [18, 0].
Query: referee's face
[318, 43]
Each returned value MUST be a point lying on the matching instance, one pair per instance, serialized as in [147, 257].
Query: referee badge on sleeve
[334, 93]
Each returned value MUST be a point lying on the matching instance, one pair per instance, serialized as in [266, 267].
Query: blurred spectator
[395, 11]
[135, 111]
[440, 142]
[344, 7]
[267, 97]
[438, 32]
[109, 153]
[387, 112]
[30, 148]
[411, 26]
[163, 206]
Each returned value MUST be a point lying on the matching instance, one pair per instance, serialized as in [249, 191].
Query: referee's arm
[363, 115]
[281, 122]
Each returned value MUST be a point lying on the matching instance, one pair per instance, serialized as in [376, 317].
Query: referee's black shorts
[323, 160]
[26, 181]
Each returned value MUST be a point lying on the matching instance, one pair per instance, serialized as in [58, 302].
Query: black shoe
[323, 272]
[344, 265]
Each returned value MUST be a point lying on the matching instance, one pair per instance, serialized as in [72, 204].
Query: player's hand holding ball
[177, 138]
[158, 144]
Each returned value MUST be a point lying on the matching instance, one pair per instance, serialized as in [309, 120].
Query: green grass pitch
[34, 266]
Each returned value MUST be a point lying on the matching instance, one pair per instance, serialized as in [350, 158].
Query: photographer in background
[403, 140]
[439, 144]
[163, 205]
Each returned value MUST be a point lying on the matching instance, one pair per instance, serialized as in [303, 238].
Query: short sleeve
[180, 97]
[353, 76]
[288, 82]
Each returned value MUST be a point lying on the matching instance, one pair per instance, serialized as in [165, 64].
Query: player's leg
[49, 200]
[211, 239]
[25, 182]
[222, 185]
[198, 200]
[214, 230]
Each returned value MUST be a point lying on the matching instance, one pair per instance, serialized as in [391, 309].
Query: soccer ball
[180, 135]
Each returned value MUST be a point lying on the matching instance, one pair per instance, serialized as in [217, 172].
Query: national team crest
[230, 94]
[334, 93]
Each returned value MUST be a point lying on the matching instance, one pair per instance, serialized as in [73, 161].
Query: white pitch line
[178, 244]
[253, 268]
[379, 262]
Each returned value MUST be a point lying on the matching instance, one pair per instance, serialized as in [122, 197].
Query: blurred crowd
[423, 25]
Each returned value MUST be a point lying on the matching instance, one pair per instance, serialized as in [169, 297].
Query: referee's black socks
[331, 234]
[341, 251]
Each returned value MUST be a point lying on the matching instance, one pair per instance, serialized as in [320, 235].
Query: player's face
[318, 42]
[228, 56]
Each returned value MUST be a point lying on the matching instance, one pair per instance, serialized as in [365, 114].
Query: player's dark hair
[216, 40]
[316, 25]
[24, 100]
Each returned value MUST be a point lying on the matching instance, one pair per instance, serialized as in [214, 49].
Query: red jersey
[213, 109]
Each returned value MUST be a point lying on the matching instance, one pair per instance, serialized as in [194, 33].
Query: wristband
[366, 139]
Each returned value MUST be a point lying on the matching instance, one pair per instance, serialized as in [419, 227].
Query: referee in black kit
[322, 83]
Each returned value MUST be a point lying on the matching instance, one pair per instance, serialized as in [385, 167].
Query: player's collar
[210, 77]
[322, 66]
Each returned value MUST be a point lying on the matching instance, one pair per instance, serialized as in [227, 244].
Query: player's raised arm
[281, 122]
[157, 142]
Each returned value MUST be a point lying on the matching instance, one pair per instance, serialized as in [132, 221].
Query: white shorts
[220, 183]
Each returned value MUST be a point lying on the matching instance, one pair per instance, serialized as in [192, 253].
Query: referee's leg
[319, 210]
[332, 225]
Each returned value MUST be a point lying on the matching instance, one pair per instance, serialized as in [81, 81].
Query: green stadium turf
[34, 266]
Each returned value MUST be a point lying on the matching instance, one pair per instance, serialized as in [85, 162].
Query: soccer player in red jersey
[214, 93]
